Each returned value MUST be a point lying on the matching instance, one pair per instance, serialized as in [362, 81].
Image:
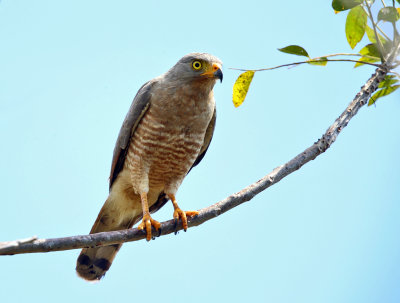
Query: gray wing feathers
[138, 108]
[136, 111]
[207, 139]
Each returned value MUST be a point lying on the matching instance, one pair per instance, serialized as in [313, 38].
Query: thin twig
[395, 34]
[392, 62]
[377, 26]
[374, 25]
[303, 62]
[343, 54]
[205, 214]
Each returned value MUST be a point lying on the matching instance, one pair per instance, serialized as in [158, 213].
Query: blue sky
[326, 233]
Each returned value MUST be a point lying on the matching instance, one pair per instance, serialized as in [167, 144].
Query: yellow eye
[196, 65]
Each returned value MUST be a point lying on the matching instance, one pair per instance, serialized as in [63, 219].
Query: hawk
[166, 132]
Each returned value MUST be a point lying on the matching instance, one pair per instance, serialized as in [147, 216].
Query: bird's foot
[180, 214]
[147, 223]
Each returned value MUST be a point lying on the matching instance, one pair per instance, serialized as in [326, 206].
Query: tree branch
[32, 245]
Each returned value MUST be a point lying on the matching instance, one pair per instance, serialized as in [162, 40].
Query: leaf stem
[382, 32]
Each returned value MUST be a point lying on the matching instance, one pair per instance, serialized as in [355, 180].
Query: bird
[166, 132]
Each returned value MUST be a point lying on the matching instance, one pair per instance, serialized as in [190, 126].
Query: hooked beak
[214, 72]
[219, 75]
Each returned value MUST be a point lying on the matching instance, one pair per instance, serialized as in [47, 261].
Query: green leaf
[367, 60]
[342, 5]
[381, 93]
[371, 35]
[388, 81]
[320, 61]
[370, 50]
[389, 77]
[241, 87]
[387, 45]
[294, 50]
[355, 25]
[389, 14]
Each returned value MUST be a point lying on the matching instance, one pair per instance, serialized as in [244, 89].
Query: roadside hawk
[165, 134]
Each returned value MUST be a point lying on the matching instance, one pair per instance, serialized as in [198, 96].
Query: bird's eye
[196, 65]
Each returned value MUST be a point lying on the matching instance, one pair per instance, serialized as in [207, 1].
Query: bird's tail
[93, 263]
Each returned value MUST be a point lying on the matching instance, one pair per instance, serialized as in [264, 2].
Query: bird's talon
[179, 214]
[146, 224]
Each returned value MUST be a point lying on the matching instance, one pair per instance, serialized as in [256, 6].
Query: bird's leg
[178, 213]
[147, 221]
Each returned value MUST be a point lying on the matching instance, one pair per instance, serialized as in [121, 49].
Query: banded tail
[93, 263]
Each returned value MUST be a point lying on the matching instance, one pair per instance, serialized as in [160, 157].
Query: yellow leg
[147, 221]
[178, 213]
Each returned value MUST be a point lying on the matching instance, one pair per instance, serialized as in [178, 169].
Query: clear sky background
[68, 73]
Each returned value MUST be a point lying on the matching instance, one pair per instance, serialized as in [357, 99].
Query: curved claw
[180, 214]
[146, 224]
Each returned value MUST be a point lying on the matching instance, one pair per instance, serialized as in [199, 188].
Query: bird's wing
[139, 106]
[207, 139]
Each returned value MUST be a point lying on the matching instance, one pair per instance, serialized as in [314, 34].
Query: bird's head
[198, 67]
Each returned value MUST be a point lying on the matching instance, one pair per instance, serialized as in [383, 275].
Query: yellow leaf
[241, 87]
[398, 10]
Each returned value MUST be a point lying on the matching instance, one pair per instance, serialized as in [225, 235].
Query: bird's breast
[168, 139]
